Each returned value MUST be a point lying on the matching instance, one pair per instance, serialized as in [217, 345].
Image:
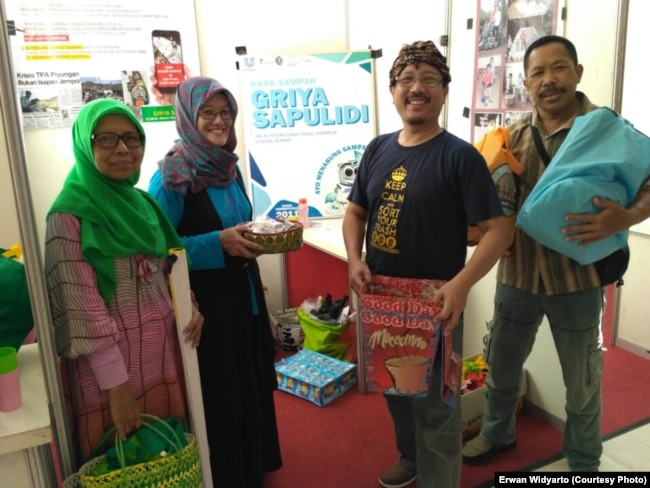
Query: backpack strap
[540, 146]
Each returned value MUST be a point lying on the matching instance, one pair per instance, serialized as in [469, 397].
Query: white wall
[591, 26]
[9, 229]
[635, 85]
[633, 330]
[288, 27]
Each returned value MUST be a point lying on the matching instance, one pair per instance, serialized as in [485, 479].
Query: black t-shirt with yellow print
[420, 200]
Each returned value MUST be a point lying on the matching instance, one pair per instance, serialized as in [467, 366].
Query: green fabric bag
[16, 320]
[144, 445]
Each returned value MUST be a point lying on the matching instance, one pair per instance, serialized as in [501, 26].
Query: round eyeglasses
[210, 115]
[428, 80]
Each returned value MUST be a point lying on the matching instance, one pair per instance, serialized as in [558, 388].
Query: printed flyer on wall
[67, 53]
[307, 121]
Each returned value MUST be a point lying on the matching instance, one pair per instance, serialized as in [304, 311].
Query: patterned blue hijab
[193, 162]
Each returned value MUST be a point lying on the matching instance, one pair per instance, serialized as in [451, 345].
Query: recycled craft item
[178, 467]
[276, 236]
[401, 337]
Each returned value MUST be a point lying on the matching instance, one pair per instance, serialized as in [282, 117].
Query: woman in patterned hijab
[196, 162]
[200, 187]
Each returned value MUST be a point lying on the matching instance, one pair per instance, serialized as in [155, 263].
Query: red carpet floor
[349, 442]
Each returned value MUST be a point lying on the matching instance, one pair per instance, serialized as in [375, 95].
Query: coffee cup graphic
[409, 373]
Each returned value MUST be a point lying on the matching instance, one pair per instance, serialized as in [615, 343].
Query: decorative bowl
[278, 242]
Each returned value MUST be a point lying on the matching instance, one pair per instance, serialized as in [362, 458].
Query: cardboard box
[315, 377]
[472, 407]
[286, 330]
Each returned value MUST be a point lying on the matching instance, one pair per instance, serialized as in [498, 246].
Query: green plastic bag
[16, 320]
[323, 337]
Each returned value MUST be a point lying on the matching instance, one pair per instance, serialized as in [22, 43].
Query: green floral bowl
[278, 242]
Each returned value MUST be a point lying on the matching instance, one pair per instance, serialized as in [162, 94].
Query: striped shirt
[531, 266]
[135, 335]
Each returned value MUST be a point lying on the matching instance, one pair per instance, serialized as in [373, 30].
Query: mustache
[417, 97]
[551, 91]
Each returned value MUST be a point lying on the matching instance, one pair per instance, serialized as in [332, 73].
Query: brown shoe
[397, 476]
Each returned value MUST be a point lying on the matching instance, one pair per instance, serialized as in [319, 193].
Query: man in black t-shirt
[416, 192]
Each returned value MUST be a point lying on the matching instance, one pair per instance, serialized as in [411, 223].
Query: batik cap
[416, 53]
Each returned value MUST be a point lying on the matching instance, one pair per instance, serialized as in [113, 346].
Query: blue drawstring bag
[602, 156]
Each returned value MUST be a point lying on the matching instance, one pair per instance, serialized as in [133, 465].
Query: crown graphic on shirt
[399, 174]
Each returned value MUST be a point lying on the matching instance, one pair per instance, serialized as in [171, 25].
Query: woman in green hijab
[106, 243]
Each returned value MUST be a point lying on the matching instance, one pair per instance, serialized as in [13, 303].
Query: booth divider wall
[330, 26]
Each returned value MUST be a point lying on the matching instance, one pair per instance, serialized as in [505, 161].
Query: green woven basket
[180, 469]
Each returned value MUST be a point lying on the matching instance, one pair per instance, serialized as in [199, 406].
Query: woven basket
[181, 469]
[278, 242]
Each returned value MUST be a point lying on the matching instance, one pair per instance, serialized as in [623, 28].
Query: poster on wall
[68, 53]
[505, 29]
[307, 122]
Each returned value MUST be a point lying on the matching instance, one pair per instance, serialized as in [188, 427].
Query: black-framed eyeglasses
[210, 115]
[409, 80]
[108, 140]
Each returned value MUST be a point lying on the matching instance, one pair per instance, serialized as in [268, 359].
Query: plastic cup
[10, 395]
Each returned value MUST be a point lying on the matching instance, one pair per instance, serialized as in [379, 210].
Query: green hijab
[117, 219]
